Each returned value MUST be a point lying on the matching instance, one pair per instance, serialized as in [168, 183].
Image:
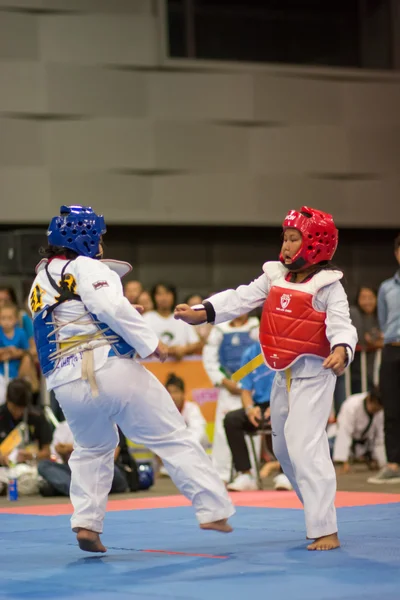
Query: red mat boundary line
[257, 499]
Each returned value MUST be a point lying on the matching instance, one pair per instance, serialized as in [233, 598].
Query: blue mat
[264, 557]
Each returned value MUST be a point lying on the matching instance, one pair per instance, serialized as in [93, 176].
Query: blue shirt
[258, 382]
[27, 325]
[19, 340]
[389, 309]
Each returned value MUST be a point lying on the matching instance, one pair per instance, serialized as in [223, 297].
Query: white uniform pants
[133, 398]
[299, 419]
[221, 453]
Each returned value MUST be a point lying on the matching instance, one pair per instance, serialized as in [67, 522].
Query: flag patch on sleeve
[100, 284]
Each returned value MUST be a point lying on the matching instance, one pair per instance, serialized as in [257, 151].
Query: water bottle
[12, 486]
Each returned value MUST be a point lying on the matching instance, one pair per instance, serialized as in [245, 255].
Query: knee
[43, 466]
[231, 420]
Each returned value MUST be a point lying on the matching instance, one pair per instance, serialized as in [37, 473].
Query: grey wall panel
[22, 87]
[100, 144]
[299, 150]
[25, 195]
[201, 147]
[122, 198]
[21, 143]
[92, 6]
[95, 91]
[99, 39]
[201, 96]
[375, 150]
[297, 100]
[18, 36]
[371, 103]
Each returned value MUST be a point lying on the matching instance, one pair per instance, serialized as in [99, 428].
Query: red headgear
[320, 237]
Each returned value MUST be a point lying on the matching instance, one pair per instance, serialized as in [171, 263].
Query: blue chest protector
[231, 350]
[45, 338]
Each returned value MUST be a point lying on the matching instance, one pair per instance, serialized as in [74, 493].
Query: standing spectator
[365, 320]
[180, 337]
[146, 301]
[389, 377]
[132, 291]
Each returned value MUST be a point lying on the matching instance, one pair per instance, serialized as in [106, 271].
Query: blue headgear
[78, 228]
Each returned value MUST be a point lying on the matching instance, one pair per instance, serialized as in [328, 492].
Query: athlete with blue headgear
[87, 336]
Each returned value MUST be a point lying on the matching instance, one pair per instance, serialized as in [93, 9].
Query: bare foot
[89, 541]
[222, 525]
[326, 542]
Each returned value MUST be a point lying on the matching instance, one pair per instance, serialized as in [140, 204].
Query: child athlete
[306, 336]
[87, 335]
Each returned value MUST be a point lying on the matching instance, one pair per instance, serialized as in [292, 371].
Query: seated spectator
[180, 337]
[360, 433]
[255, 394]
[14, 346]
[132, 291]
[370, 339]
[145, 300]
[17, 411]
[57, 474]
[190, 411]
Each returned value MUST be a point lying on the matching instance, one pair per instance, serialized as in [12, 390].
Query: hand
[183, 312]
[139, 308]
[231, 386]
[24, 456]
[177, 352]
[336, 360]
[4, 462]
[161, 352]
[254, 415]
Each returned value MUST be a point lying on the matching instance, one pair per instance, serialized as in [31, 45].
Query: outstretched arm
[226, 305]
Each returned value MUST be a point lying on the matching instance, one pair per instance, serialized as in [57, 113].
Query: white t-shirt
[170, 331]
[62, 435]
[195, 422]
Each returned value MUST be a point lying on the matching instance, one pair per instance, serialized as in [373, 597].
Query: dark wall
[208, 259]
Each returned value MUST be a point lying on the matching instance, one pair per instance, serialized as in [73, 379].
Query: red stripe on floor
[262, 499]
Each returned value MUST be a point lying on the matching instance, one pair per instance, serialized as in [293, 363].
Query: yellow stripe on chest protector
[288, 374]
[248, 368]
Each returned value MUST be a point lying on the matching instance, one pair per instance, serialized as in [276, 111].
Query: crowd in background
[359, 429]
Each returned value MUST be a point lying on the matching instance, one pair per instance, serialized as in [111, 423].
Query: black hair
[11, 292]
[397, 243]
[173, 379]
[186, 300]
[366, 287]
[375, 394]
[19, 392]
[52, 251]
[169, 287]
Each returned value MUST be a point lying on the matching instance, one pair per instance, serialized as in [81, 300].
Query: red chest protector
[290, 325]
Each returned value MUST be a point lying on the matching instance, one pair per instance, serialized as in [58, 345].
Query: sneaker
[243, 483]
[163, 472]
[282, 482]
[386, 475]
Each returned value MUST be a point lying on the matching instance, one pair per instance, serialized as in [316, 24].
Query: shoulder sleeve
[339, 328]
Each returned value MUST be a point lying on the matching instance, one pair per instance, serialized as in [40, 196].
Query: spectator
[204, 329]
[8, 296]
[145, 300]
[359, 432]
[222, 356]
[190, 411]
[180, 337]
[370, 339]
[13, 346]
[255, 395]
[57, 473]
[389, 377]
[132, 291]
[18, 410]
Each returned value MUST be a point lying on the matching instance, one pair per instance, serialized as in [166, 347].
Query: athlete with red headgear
[307, 337]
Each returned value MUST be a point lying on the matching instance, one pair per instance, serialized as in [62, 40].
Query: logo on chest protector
[99, 284]
[285, 301]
